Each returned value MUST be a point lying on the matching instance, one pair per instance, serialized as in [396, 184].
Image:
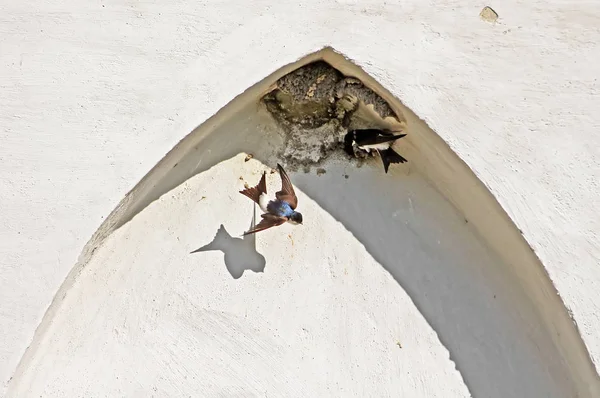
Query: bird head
[296, 218]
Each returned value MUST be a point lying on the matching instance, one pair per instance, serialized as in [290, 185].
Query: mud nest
[316, 105]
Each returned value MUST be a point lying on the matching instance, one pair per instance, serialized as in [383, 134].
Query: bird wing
[268, 221]
[287, 193]
[365, 133]
[374, 136]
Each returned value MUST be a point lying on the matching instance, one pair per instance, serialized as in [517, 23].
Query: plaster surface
[384, 291]
[94, 94]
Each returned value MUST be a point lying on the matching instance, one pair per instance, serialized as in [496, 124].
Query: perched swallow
[278, 211]
[374, 139]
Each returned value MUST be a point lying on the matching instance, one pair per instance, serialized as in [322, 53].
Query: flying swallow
[374, 139]
[278, 211]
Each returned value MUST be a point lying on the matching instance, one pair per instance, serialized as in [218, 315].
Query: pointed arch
[430, 156]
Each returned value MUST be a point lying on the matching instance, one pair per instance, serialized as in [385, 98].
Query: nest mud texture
[316, 105]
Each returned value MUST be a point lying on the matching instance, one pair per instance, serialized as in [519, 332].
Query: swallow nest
[316, 105]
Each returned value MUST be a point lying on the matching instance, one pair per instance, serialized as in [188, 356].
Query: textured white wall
[94, 94]
[384, 290]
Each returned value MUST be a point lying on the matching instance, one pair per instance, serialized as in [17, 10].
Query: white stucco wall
[95, 94]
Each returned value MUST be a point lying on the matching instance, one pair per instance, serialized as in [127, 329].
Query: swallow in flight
[277, 211]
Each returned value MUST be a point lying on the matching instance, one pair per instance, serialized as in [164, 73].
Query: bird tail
[389, 156]
[255, 192]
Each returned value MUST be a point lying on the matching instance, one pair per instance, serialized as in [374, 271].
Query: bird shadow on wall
[239, 253]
